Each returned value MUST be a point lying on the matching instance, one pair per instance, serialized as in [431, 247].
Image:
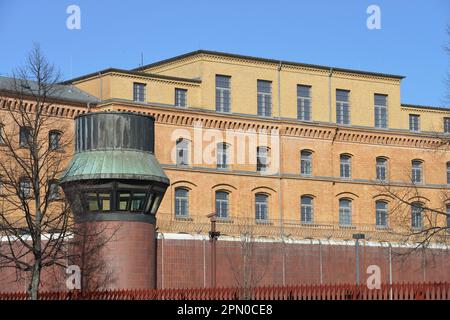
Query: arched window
[345, 212]
[381, 211]
[262, 159]
[182, 152]
[306, 209]
[25, 187]
[346, 166]
[416, 171]
[222, 205]
[223, 155]
[261, 206]
[448, 217]
[382, 164]
[416, 215]
[54, 140]
[2, 133]
[181, 202]
[448, 172]
[305, 163]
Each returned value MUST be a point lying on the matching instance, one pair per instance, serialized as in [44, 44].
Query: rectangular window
[416, 174]
[2, 134]
[305, 163]
[222, 156]
[448, 172]
[25, 137]
[181, 98]
[380, 101]
[304, 103]
[446, 125]
[414, 122]
[342, 107]
[223, 93]
[261, 159]
[381, 169]
[346, 169]
[261, 207]
[345, 212]
[139, 92]
[264, 98]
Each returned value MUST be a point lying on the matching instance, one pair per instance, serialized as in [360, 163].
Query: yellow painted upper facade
[196, 72]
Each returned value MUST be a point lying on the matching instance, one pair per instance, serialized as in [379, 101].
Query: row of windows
[306, 209]
[306, 157]
[26, 138]
[264, 104]
[140, 94]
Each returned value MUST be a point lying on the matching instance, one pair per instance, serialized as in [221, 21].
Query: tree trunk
[33, 288]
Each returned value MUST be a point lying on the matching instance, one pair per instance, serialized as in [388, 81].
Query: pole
[213, 235]
[357, 261]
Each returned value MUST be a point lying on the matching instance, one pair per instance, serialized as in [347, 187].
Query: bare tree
[249, 261]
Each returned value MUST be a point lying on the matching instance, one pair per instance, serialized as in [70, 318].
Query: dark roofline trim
[407, 105]
[238, 56]
[130, 72]
[15, 95]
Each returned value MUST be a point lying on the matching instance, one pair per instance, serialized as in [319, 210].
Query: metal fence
[410, 291]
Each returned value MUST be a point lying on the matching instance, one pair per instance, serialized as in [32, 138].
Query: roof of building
[407, 105]
[274, 61]
[130, 72]
[114, 164]
[61, 92]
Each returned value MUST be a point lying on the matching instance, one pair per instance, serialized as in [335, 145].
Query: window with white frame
[264, 98]
[261, 207]
[181, 202]
[381, 114]
[139, 92]
[304, 102]
[262, 155]
[305, 163]
[381, 208]
[306, 209]
[345, 212]
[223, 93]
[223, 155]
[416, 171]
[222, 205]
[182, 149]
[417, 215]
[180, 97]
[381, 168]
[346, 166]
[414, 122]
[342, 107]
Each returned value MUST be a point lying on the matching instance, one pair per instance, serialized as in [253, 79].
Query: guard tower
[115, 184]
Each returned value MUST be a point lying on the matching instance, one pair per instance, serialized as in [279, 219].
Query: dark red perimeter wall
[183, 263]
[187, 263]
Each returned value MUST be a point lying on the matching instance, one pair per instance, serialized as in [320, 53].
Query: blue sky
[114, 33]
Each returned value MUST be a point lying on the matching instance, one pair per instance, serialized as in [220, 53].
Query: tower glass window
[306, 209]
[222, 204]
[223, 155]
[262, 154]
[261, 207]
[346, 166]
[380, 110]
[381, 169]
[416, 215]
[54, 140]
[345, 212]
[342, 107]
[303, 102]
[305, 163]
[181, 202]
[139, 92]
[180, 97]
[264, 98]
[182, 152]
[416, 171]
[381, 214]
[223, 93]
[414, 122]
[446, 125]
